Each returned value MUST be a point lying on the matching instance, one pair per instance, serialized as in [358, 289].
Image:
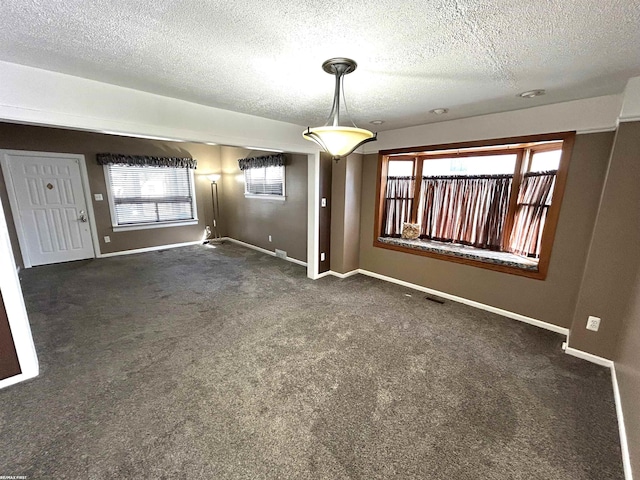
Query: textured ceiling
[264, 57]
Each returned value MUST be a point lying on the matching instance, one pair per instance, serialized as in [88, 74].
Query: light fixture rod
[334, 116]
[338, 67]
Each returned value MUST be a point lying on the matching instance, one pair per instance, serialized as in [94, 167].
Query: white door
[47, 194]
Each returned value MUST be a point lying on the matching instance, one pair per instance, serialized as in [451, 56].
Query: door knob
[83, 217]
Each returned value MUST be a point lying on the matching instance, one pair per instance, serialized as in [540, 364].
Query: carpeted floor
[223, 363]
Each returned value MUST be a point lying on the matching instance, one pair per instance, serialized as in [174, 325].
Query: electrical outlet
[323, 202]
[97, 197]
[270, 238]
[107, 239]
[322, 257]
[593, 323]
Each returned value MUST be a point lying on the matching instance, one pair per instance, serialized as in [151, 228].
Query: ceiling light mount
[439, 111]
[532, 93]
[339, 141]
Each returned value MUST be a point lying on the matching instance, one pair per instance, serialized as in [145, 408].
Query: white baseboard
[482, 306]
[264, 250]
[624, 444]
[344, 275]
[21, 377]
[336, 274]
[323, 274]
[589, 357]
[148, 249]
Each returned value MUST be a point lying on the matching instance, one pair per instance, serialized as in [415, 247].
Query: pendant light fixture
[339, 141]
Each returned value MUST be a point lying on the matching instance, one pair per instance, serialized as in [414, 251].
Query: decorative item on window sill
[339, 141]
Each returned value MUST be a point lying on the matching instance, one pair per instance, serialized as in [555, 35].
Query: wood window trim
[548, 236]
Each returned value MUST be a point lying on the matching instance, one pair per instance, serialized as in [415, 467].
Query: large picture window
[490, 205]
[150, 196]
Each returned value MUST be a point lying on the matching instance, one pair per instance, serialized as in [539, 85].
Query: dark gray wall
[252, 220]
[45, 139]
[551, 300]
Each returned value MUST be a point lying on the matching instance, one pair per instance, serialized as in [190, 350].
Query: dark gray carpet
[225, 363]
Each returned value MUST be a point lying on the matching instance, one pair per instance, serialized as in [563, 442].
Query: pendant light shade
[339, 141]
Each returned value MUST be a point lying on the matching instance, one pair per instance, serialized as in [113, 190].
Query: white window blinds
[150, 194]
[264, 181]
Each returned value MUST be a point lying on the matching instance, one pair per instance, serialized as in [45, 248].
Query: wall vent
[434, 299]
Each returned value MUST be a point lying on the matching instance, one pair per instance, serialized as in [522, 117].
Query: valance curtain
[398, 204]
[534, 200]
[465, 209]
[145, 161]
[260, 162]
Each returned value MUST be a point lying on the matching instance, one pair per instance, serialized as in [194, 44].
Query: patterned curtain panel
[260, 162]
[470, 210]
[144, 161]
[398, 204]
[534, 201]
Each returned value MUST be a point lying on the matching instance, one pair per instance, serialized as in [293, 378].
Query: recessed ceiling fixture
[339, 141]
[532, 93]
[439, 111]
[376, 122]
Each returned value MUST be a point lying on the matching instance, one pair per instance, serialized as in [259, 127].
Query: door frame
[5, 163]
[16, 310]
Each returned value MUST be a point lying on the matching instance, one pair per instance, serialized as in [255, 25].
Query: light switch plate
[97, 197]
[107, 239]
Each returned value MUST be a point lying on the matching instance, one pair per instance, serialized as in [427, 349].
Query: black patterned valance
[260, 162]
[144, 161]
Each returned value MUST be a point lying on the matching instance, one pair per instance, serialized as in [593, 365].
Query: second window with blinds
[265, 182]
[489, 205]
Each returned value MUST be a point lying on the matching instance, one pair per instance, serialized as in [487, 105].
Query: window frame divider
[518, 172]
[417, 168]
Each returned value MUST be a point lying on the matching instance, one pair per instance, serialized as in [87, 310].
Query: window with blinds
[266, 181]
[150, 195]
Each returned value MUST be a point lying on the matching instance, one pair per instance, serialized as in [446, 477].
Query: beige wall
[551, 300]
[252, 220]
[614, 257]
[45, 139]
[346, 189]
[627, 358]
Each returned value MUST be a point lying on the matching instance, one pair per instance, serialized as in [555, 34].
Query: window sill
[499, 261]
[146, 226]
[280, 198]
